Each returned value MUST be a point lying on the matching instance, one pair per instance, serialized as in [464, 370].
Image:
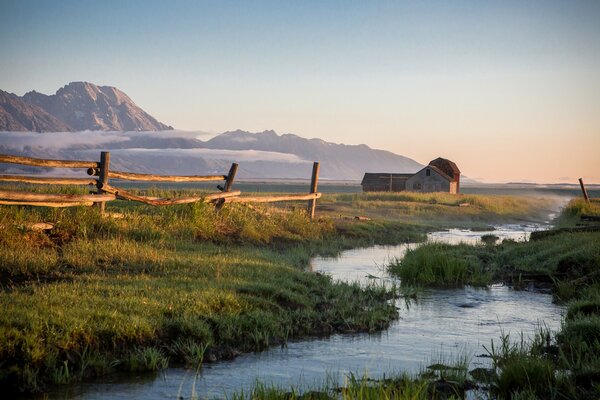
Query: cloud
[65, 140]
[59, 140]
[210, 154]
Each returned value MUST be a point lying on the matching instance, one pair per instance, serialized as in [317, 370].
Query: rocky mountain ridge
[77, 106]
[17, 115]
[339, 161]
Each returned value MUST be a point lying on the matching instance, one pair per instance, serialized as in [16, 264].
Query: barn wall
[381, 183]
[420, 182]
[454, 187]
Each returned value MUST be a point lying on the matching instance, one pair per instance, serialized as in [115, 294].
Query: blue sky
[500, 87]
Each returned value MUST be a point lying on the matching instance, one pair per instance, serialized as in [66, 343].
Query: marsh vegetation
[554, 366]
[185, 285]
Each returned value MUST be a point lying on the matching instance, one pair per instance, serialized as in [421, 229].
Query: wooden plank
[43, 197]
[55, 204]
[125, 195]
[164, 178]
[223, 195]
[38, 226]
[47, 180]
[38, 162]
[314, 181]
[272, 199]
[207, 198]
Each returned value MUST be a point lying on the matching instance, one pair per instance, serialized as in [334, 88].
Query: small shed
[384, 182]
[440, 175]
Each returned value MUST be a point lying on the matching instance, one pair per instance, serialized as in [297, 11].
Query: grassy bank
[402, 387]
[552, 365]
[181, 284]
[555, 258]
[565, 365]
[177, 285]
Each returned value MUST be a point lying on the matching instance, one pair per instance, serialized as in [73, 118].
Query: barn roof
[447, 166]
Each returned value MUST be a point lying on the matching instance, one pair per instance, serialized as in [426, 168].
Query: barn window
[427, 172]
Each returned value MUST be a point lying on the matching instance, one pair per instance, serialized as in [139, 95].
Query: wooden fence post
[230, 177]
[103, 177]
[228, 184]
[584, 191]
[314, 181]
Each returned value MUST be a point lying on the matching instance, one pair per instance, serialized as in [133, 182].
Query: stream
[440, 326]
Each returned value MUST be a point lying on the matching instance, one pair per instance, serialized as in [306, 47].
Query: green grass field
[186, 284]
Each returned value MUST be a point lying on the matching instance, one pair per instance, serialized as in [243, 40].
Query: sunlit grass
[187, 284]
[174, 285]
[440, 265]
[438, 209]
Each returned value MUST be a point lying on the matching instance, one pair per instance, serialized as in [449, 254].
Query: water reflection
[518, 233]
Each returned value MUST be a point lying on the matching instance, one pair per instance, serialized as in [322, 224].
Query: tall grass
[560, 259]
[432, 265]
[574, 209]
[439, 208]
[175, 285]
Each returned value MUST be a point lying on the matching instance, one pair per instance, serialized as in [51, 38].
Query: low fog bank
[558, 195]
[168, 153]
[261, 155]
[102, 140]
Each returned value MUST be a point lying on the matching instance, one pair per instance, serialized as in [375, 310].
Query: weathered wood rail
[100, 176]
[39, 162]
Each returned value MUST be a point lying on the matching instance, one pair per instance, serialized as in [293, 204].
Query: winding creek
[441, 325]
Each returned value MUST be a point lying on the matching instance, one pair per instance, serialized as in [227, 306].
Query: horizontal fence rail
[164, 178]
[155, 201]
[28, 196]
[55, 204]
[48, 180]
[39, 162]
[106, 192]
[274, 198]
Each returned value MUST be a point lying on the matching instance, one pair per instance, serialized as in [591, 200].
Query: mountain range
[339, 161]
[82, 118]
[262, 155]
[77, 106]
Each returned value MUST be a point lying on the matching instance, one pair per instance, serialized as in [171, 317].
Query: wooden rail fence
[100, 176]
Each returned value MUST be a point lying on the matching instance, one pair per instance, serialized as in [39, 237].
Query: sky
[509, 90]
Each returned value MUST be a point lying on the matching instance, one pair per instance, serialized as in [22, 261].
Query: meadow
[438, 210]
[183, 285]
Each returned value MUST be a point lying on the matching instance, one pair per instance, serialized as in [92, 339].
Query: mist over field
[263, 155]
[162, 152]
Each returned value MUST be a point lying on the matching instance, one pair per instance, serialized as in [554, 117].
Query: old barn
[441, 175]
